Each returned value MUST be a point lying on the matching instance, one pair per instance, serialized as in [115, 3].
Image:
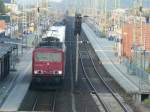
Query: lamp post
[37, 30]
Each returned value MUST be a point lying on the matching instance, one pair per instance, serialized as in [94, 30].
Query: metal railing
[137, 70]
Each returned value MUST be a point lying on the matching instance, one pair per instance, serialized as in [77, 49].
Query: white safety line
[102, 50]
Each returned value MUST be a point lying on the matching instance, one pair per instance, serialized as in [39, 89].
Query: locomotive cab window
[51, 57]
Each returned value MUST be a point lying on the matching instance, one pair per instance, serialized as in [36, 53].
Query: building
[5, 53]
[7, 1]
[2, 25]
[131, 38]
[8, 56]
[11, 5]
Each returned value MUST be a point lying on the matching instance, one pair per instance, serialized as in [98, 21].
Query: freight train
[48, 58]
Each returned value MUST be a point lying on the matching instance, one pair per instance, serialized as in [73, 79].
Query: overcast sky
[33, 1]
[124, 3]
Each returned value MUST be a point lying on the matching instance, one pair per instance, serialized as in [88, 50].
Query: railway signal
[78, 23]
[77, 32]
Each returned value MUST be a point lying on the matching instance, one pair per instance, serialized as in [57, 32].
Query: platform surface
[104, 50]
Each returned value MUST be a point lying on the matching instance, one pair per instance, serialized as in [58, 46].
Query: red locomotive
[48, 60]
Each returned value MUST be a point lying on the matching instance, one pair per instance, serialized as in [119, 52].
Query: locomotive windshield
[51, 57]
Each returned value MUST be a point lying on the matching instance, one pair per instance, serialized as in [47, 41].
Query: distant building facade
[9, 1]
[11, 4]
[134, 36]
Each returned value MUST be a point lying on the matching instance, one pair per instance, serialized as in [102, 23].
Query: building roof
[5, 46]
[10, 41]
[4, 49]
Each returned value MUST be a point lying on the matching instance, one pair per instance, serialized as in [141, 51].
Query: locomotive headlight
[59, 72]
[35, 72]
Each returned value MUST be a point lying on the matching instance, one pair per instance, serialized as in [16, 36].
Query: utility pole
[105, 9]
[78, 6]
[117, 4]
[11, 19]
[138, 10]
[77, 58]
[95, 9]
[37, 21]
[78, 23]
[23, 28]
[141, 36]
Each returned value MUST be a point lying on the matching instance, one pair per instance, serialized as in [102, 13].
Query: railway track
[45, 99]
[43, 104]
[39, 101]
[109, 100]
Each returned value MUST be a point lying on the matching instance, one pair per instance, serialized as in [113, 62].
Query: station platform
[14, 87]
[104, 50]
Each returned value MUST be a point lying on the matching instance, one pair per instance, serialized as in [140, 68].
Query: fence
[139, 66]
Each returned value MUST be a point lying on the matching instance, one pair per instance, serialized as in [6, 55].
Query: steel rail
[35, 104]
[53, 103]
[92, 86]
[104, 82]
[109, 88]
